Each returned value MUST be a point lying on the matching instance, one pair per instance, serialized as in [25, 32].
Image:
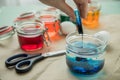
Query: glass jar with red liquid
[31, 36]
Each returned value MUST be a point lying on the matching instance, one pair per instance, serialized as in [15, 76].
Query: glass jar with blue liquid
[84, 53]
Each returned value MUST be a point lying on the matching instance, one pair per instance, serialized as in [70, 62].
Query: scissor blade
[54, 53]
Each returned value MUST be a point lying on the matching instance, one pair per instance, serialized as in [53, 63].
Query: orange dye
[51, 23]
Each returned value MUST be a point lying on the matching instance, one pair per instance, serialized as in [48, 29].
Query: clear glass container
[93, 15]
[50, 17]
[6, 32]
[31, 36]
[84, 53]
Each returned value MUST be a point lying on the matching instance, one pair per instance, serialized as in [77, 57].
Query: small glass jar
[50, 17]
[6, 32]
[31, 36]
[25, 17]
[93, 15]
[84, 53]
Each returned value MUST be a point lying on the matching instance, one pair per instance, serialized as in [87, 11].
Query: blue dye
[85, 65]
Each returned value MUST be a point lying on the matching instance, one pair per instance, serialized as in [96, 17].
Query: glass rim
[94, 4]
[6, 29]
[19, 27]
[41, 14]
[86, 35]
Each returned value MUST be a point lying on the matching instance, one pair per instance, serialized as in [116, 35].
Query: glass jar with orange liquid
[50, 17]
[92, 19]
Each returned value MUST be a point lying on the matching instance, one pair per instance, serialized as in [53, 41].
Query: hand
[61, 4]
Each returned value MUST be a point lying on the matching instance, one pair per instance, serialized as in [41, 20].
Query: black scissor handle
[23, 66]
[13, 60]
[26, 65]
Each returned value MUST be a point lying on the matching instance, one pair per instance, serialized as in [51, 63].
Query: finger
[89, 1]
[60, 4]
[83, 8]
[67, 9]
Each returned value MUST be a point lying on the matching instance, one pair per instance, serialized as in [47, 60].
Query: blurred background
[16, 7]
[31, 2]
[108, 6]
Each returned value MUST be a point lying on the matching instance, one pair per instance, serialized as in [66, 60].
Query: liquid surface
[84, 64]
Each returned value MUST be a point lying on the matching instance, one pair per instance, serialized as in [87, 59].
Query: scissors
[24, 62]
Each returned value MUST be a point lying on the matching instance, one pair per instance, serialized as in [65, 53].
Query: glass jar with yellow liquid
[92, 19]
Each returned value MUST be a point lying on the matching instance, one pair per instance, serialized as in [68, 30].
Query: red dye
[29, 43]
